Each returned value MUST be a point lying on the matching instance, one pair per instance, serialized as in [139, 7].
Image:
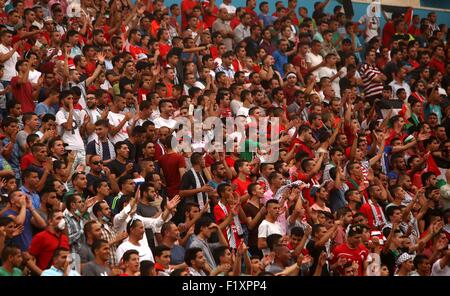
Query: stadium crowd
[94, 181]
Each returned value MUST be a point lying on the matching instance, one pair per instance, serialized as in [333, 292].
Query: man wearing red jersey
[250, 9]
[186, 10]
[304, 138]
[243, 180]
[353, 250]
[372, 209]
[210, 13]
[227, 213]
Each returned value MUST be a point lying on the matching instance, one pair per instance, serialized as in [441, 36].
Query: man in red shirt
[21, 88]
[46, 242]
[438, 60]
[250, 9]
[186, 10]
[227, 213]
[173, 166]
[134, 37]
[389, 29]
[353, 250]
[243, 180]
[305, 137]
[372, 209]
[210, 13]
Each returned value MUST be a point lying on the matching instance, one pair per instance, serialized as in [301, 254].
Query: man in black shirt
[121, 166]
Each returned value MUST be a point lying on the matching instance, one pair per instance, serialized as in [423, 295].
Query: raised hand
[105, 113]
[2, 183]
[100, 57]
[129, 167]
[172, 204]
[322, 259]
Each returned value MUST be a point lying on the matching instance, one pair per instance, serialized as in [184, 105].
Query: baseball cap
[403, 258]
[141, 56]
[48, 19]
[354, 230]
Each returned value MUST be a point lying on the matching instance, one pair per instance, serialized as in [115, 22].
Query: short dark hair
[297, 231]
[190, 255]
[145, 267]
[202, 222]
[219, 252]
[127, 255]
[9, 251]
[160, 249]
[97, 244]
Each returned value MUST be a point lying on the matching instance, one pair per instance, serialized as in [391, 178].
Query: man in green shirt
[12, 259]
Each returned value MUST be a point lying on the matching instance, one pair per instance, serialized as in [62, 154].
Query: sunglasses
[97, 162]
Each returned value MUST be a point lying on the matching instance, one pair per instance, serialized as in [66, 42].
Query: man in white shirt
[118, 121]
[8, 56]
[135, 230]
[442, 266]
[165, 119]
[329, 70]
[33, 75]
[242, 31]
[229, 7]
[70, 124]
[399, 82]
[270, 225]
[313, 58]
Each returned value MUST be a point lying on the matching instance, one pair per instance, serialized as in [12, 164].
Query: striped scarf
[230, 228]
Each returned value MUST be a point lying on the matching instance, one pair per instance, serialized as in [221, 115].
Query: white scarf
[201, 203]
[377, 223]
[99, 149]
[230, 232]
[277, 195]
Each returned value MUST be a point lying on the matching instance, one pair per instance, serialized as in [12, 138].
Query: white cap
[142, 56]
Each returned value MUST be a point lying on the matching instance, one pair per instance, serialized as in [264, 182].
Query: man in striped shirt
[372, 77]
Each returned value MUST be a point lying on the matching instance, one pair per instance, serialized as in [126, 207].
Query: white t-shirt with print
[436, 270]
[329, 72]
[314, 60]
[71, 137]
[267, 228]
[114, 120]
[33, 76]
[160, 122]
[10, 64]
[145, 253]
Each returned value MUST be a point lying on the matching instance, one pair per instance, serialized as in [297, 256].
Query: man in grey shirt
[281, 261]
[203, 230]
[222, 25]
[98, 266]
[30, 126]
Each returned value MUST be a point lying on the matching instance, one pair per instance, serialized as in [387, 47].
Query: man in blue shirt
[30, 179]
[61, 264]
[281, 55]
[23, 213]
[264, 16]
